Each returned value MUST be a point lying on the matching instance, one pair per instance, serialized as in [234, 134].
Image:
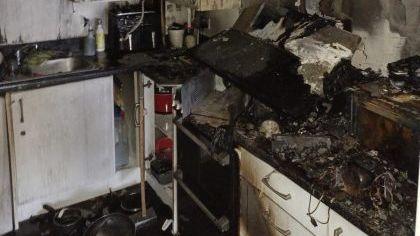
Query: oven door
[215, 185]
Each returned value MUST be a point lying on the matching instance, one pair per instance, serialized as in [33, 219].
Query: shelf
[164, 124]
[164, 192]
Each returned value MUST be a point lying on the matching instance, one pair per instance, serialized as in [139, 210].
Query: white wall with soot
[390, 29]
[24, 21]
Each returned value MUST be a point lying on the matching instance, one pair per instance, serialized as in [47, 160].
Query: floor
[192, 220]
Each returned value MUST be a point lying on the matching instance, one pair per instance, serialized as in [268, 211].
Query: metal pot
[111, 225]
[66, 221]
[131, 203]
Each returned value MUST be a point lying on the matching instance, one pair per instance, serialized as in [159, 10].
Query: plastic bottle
[89, 44]
[190, 41]
[100, 37]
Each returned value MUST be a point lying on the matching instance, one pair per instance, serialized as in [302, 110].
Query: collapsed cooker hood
[265, 72]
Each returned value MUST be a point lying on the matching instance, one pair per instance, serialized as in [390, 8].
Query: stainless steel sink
[62, 65]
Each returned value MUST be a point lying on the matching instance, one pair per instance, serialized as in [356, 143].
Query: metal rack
[221, 223]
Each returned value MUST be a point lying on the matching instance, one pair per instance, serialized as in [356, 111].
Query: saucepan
[67, 221]
[131, 203]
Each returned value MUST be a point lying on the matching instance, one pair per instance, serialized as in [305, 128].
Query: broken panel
[391, 125]
[258, 68]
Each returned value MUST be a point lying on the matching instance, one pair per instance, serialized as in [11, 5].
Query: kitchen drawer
[265, 217]
[338, 226]
[253, 169]
[285, 193]
[243, 203]
[279, 221]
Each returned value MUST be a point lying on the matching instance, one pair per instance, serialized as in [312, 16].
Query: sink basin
[62, 65]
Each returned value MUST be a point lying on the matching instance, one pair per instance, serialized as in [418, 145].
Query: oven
[208, 182]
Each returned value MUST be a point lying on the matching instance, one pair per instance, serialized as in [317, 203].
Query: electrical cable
[316, 208]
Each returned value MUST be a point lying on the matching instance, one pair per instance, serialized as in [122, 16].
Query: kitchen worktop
[165, 67]
[21, 82]
[317, 174]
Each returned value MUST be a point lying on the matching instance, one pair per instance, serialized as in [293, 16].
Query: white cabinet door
[64, 142]
[243, 214]
[284, 192]
[149, 117]
[6, 223]
[266, 218]
[338, 226]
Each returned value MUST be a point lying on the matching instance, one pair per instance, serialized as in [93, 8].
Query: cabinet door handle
[266, 182]
[338, 231]
[22, 119]
[266, 216]
[136, 115]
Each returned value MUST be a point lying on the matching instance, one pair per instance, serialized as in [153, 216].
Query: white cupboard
[272, 204]
[338, 226]
[6, 221]
[64, 149]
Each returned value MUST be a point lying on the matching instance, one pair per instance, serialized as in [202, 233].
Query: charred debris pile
[301, 104]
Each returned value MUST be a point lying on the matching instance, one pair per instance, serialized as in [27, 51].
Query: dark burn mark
[3, 37]
[364, 14]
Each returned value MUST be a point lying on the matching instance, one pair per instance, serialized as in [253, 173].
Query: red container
[163, 148]
[163, 103]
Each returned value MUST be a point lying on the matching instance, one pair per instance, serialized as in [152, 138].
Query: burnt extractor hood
[265, 72]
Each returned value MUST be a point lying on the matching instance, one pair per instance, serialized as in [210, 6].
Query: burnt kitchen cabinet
[6, 223]
[262, 211]
[390, 125]
[63, 144]
[262, 216]
[272, 204]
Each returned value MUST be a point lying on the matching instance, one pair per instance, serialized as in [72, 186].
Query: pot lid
[111, 225]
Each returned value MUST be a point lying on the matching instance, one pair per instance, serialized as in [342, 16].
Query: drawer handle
[136, 115]
[338, 231]
[21, 111]
[266, 182]
[266, 216]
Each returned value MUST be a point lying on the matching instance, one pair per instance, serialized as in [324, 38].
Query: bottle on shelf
[190, 41]
[100, 37]
[89, 47]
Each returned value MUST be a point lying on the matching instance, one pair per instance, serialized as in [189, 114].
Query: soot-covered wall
[390, 29]
[25, 21]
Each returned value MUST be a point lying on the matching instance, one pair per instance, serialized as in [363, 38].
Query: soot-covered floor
[192, 220]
